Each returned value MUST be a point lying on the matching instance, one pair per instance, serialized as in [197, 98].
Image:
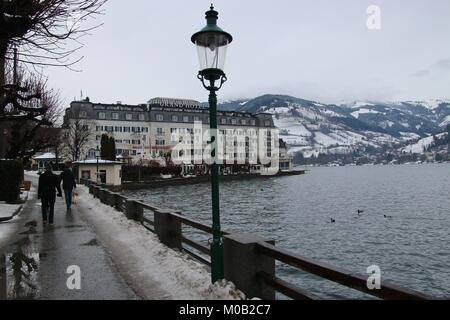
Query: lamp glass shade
[212, 50]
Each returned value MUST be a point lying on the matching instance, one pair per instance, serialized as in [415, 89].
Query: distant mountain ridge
[312, 127]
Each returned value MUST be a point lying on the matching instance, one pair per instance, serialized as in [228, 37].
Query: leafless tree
[76, 137]
[29, 128]
[47, 32]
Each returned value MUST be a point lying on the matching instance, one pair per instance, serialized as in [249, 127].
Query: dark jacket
[68, 180]
[49, 183]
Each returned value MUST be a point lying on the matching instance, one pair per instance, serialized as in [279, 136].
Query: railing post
[168, 229]
[3, 283]
[103, 195]
[91, 189]
[111, 199]
[133, 210]
[119, 203]
[96, 191]
[242, 262]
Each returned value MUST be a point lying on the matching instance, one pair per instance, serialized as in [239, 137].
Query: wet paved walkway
[39, 259]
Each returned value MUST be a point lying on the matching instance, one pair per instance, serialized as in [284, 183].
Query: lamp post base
[216, 246]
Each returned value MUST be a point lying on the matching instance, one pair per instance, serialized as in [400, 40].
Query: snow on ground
[32, 173]
[293, 128]
[325, 140]
[295, 140]
[149, 264]
[445, 122]
[386, 124]
[7, 210]
[356, 104]
[407, 136]
[430, 104]
[357, 113]
[422, 144]
[278, 110]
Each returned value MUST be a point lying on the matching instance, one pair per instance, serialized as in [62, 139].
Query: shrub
[11, 174]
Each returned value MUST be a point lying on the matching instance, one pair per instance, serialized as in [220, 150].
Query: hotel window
[115, 116]
[101, 115]
[252, 122]
[160, 142]
[109, 129]
[82, 114]
[118, 141]
[160, 132]
[244, 122]
[129, 116]
[98, 138]
[118, 129]
[174, 118]
[223, 121]
[185, 118]
[233, 121]
[126, 129]
[159, 117]
[267, 123]
[141, 117]
[144, 129]
[99, 128]
[198, 119]
[127, 141]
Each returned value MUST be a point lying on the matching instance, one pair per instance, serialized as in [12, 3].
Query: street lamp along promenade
[212, 43]
[97, 155]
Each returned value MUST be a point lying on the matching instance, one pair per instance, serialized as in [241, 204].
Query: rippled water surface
[412, 249]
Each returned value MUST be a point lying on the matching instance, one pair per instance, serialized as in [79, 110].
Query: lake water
[412, 249]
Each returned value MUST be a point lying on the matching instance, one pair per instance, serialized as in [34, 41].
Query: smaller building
[110, 172]
[286, 160]
[40, 161]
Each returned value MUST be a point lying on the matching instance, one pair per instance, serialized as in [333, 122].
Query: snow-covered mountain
[313, 127]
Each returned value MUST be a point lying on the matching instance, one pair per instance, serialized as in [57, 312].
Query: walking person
[69, 184]
[49, 183]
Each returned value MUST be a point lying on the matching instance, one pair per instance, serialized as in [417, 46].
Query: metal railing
[172, 229]
[329, 272]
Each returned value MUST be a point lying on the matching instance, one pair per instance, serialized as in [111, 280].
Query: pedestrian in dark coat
[49, 183]
[69, 184]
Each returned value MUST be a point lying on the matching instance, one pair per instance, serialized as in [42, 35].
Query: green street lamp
[212, 44]
[97, 155]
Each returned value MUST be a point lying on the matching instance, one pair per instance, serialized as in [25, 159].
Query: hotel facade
[177, 127]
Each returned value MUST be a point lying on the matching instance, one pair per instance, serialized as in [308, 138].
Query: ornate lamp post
[212, 42]
[97, 155]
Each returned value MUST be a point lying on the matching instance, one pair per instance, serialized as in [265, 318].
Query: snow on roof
[94, 161]
[45, 156]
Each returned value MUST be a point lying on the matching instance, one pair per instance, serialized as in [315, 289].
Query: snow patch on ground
[357, 113]
[32, 173]
[7, 210]
[176, 273]
[422, 144]
[445, 122]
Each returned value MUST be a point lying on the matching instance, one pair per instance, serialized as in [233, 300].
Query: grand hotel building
[146, 131]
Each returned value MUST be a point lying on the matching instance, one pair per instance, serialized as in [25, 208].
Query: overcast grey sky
[314, 49]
